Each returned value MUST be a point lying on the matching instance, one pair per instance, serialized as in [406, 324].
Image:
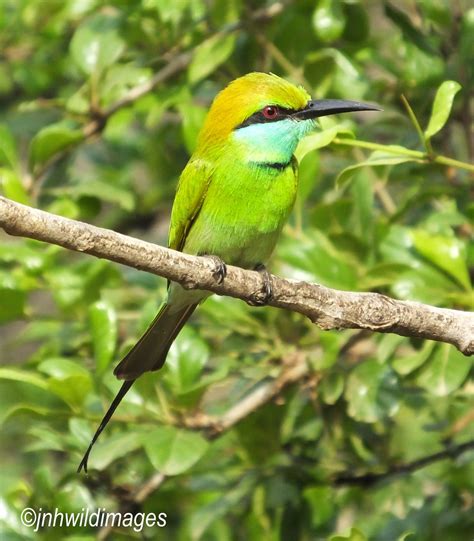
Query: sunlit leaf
[209, 55]
[442, 105]
[51, 140]
[96, 44]
[172, 450]
[353, 535]
[8, 152]
[377, 159]
[103, 326]
[319, 140]
[371, 392]
[12, 186]
[328, 20]
[114, 447]
[186, 359]
[445, 372]
[447, 253]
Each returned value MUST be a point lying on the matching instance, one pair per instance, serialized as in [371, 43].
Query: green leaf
[68, 380]
[8, 152]
[315, 259]
[377, 159]
[119, 80]
[445, 372]
[23, 376]
[192, 120]
[172, 450]
[321, 504]
[371, 392]
[187, 357]
[106, 191]
[51, 140]
[354, 535]
[103, 327]
[114, 447]
[411, 33]
[406, 364]
[331, 387]
[447, 253]
[205, 515]
[328, 20]
[12, 304]
[209, 55]
[442, 105]
[319, 140]
[96, 44]
[13, 187]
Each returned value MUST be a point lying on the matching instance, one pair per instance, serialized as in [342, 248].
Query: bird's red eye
[270, 112]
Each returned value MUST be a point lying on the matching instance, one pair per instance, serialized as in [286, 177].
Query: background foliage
[398, 221]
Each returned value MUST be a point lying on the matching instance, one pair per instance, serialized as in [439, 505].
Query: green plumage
[233, 198]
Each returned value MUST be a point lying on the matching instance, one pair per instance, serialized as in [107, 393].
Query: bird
[232, 200]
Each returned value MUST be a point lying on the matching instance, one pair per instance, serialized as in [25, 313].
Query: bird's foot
[263, 297]
[219, 272]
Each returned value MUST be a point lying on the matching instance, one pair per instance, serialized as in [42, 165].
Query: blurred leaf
[321, 504]
[192, 120]
[448, 253]
[105, 191]
[442, 105]
[96, 44]
[446, 370]
[172, 450]
[12, 186]
[410, 32]
[103, 327]
[209, 55]
[354, 535]
[328, 20]
[359, 24]
[119, 80]
[51, 140]
[371, 392]
[114, 447]
[331, 387]
[8, 153]
[203, 516]
[68, 380]
[187, 357]
[315, 259]
[407, 363]
[12, 304]
[16, 374]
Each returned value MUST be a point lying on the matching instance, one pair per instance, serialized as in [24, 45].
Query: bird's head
[266, 116]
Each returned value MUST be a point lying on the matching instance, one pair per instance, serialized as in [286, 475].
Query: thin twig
[368, 479]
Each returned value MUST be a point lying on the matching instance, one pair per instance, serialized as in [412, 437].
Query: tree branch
[369, 479]
[328, 308]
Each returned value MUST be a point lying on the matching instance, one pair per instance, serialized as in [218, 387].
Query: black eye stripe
[259, 118]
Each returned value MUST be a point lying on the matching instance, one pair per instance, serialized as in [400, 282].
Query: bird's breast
[243, 212]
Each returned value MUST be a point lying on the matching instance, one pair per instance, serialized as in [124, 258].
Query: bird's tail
[148, 354]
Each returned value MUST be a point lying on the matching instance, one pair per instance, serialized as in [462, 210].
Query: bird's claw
[263, 297]
[219, 272]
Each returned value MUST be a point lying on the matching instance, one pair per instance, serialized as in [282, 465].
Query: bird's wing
[192, 188]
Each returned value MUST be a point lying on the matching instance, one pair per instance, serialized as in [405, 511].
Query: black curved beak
[318, 108]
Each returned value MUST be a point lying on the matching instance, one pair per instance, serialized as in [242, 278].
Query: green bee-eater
[233, 198]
